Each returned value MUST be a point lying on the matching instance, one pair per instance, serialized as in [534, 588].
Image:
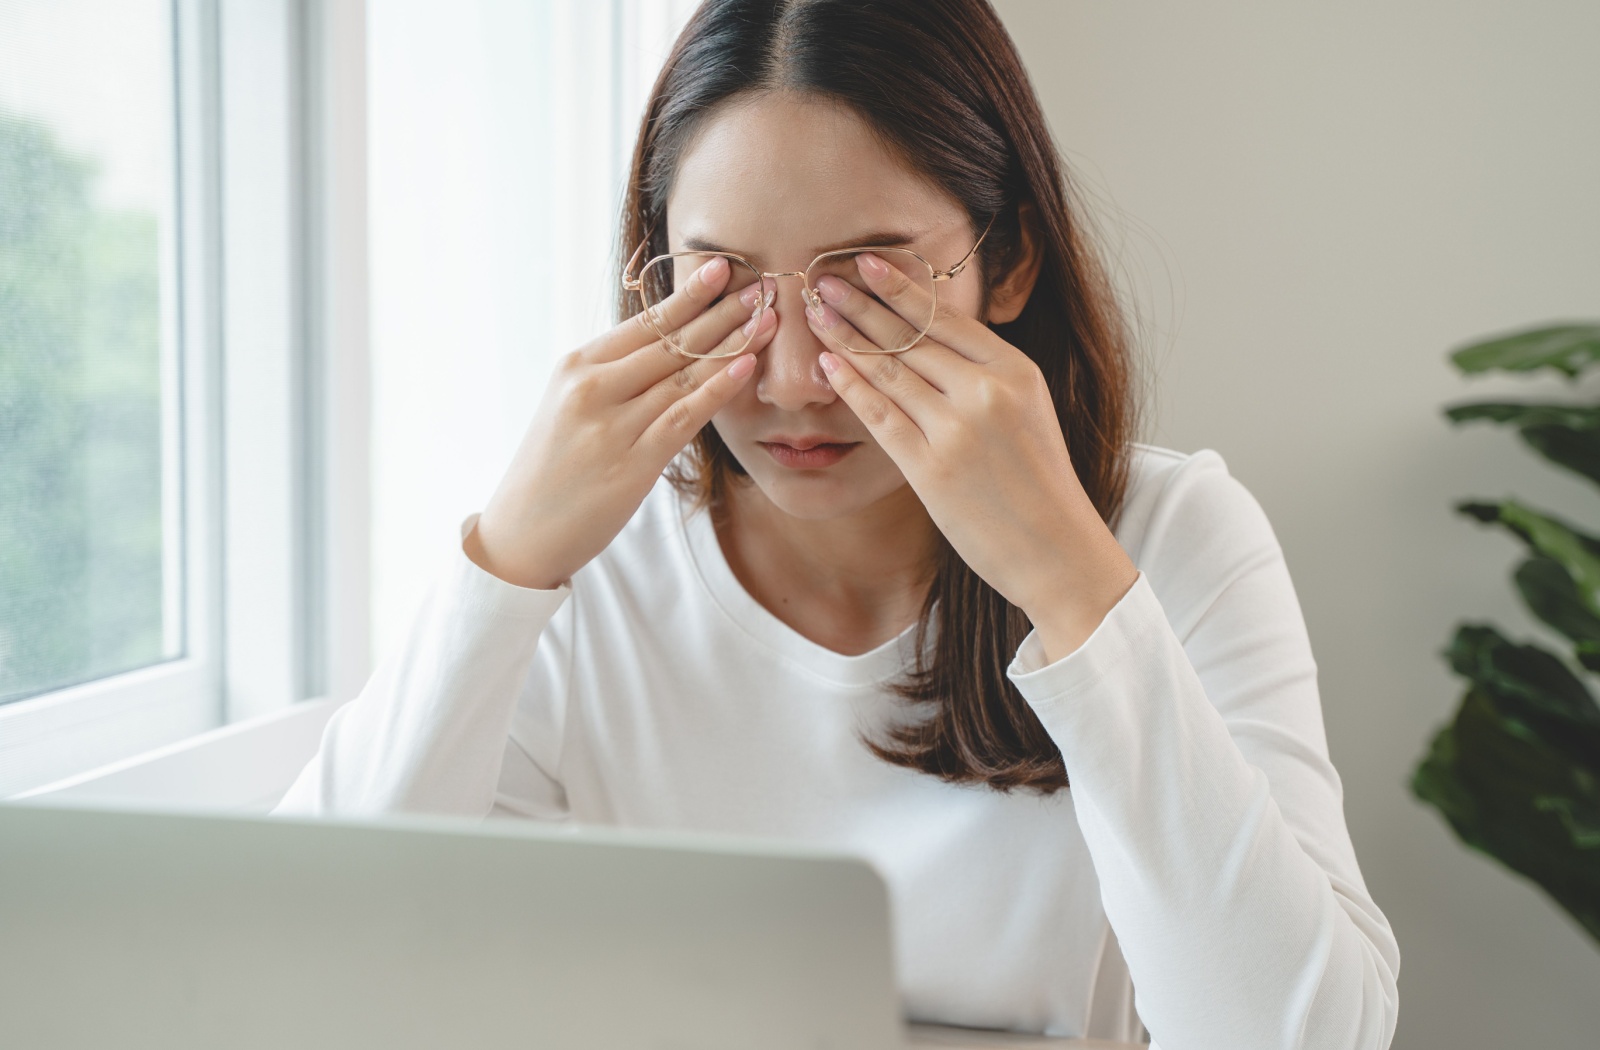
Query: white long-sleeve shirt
[1196, 880]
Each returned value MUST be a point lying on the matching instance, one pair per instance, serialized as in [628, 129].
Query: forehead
[781, 172]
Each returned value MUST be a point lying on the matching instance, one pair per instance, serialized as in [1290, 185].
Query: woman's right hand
[614, 414]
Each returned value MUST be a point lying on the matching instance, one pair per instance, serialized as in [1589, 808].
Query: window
[182, 481]
[90, 485]
[102, 581]
[499, 135]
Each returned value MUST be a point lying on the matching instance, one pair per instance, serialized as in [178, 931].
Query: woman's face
[780, 178]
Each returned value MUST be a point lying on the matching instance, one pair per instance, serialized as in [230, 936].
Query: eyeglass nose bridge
[809, 292]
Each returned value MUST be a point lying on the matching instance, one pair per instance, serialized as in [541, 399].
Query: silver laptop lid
[186, 931]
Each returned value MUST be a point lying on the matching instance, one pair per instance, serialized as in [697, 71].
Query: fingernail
[872, 265]
[757, 322]
[829, 363]
[832, 289]
[712, 270]
[824, 315]
[741, 368]
[750, 294]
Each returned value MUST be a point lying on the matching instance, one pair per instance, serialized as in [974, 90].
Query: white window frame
[271, 103]
[294, 395]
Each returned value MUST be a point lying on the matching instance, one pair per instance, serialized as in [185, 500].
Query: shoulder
[1191, 526]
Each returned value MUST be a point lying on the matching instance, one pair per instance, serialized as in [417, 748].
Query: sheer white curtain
[500, 131]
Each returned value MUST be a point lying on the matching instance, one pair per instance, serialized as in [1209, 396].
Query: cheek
[737, 419]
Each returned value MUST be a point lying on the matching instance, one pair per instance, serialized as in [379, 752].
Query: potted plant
[1517, 771]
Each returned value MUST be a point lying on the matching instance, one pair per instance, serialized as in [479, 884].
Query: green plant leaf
[1568, 348]
[1549, 591]
[1517, 772]
[1536, 697]
[1576, 450]
[1566, 435]
[1576, 417]
[1519, 801]
[1578, 553]
[1581, 817]
[1523, 677]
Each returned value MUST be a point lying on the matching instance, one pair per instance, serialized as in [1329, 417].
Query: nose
[789, 377]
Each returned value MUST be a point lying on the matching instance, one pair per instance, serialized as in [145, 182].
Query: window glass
[90, 544]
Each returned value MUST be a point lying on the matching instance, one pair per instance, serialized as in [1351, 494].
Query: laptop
[190, 931]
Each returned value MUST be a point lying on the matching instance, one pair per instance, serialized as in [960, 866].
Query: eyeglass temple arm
[945, 275]
[630, 280]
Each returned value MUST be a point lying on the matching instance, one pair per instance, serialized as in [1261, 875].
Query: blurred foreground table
[937, 1037]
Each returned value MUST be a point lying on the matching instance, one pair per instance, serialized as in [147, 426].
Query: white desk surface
[936, 1037]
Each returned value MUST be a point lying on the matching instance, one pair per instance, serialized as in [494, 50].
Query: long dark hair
[941, 82]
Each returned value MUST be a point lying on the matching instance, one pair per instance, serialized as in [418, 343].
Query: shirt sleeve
[432, 730]
[1192, 733]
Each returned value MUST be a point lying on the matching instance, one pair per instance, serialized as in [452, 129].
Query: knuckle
[945, 309]
[584, 387]
[888, 370]
[735, 339]
[875, 414]
[679, 416]
[695, 290]
[640, 322]
[992, 394]
[686, 380]
[1031, 374]
[571, 363]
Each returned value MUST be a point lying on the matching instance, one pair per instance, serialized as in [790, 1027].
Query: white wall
[1314, 203]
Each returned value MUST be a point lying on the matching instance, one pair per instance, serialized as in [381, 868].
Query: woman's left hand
[969, 420]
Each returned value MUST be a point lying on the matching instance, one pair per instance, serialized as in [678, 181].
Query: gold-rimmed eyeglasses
[662, 274]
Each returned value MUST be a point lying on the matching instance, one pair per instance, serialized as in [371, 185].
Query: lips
[807, 453]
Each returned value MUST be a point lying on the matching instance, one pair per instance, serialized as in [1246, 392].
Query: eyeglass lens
[717, 331]
[892, 330]
[714, 333]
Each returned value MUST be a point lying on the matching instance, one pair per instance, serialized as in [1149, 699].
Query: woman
[857, 549]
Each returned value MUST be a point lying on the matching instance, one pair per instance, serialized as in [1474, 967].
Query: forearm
[1084, 588]
[1236, 931]
[427, 733]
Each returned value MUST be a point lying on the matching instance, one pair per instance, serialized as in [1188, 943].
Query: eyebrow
[877, 239]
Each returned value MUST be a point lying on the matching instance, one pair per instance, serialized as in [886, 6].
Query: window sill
[242, 768]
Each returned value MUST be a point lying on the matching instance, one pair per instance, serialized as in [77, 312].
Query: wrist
[531, 578]
[1077, 602]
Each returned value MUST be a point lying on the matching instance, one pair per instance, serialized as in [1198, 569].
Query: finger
[871, 323]
[699, 291]
[702, 334]
[909, 390]
[680, 383]
[967, 336]
[684, 416]
[890, 427]
[718, 333]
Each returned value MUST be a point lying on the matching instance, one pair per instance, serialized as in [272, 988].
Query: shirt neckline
[872, 668]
